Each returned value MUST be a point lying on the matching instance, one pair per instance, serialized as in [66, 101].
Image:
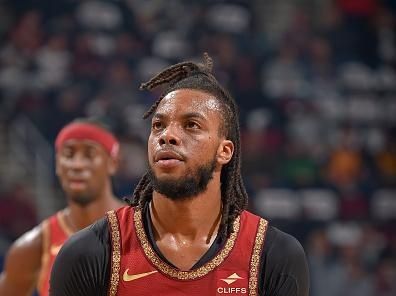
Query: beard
[188, 186]
[82, 200]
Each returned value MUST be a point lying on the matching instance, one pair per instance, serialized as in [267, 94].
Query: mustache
[169, 149]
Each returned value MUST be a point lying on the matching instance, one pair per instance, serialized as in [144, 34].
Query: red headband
[87, 131]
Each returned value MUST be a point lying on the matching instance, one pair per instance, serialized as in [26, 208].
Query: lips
[77, 184]
[164, 155]
[167, 159]
[77, 179]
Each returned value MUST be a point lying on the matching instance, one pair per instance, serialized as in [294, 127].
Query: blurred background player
[86, 159]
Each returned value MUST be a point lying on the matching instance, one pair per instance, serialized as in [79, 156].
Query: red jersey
[136, 268]
[55, 233]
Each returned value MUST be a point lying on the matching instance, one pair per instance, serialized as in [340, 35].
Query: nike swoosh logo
[127, 277]
[55, 249]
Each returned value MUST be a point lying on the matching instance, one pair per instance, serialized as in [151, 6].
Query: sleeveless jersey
[137, 269]
[55, 233]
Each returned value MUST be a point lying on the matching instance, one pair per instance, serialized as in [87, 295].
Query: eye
[67, 152]
[192, 125]
[90, 152]
[156, 125]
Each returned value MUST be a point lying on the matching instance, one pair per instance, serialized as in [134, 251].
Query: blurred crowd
[315, 82]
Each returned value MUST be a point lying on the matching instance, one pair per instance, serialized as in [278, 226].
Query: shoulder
[87, 242]
[27, 249]
[82, 265]
[284, 265]
[122, 212]
[283, 251]
[282, 245]
[276, 240]
[24, 254]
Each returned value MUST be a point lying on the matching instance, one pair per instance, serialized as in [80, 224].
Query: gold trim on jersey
[173, 272]
[256, 255]
[115, 254]
[45, 255]
[62, 223]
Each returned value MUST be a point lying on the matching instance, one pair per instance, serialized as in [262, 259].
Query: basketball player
[86, 158]
[186, 231]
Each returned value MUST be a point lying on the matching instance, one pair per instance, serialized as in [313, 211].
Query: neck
[190, 218]
[79, 217]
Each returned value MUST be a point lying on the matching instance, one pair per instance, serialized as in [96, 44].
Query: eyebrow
[186, 115]
[87, 143]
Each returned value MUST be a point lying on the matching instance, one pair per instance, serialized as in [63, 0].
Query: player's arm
[22, 264]
[284, 268]
[82, 267]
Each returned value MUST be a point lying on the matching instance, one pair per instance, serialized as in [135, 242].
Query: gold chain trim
[116, 253]
[255, 259]
[45, 257]
[173, 272]
[62, 222]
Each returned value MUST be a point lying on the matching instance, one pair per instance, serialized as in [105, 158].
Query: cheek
[62, 163]
[61, 168]
[99, 167]
[150, 147]
[62, 176]
[204, 149]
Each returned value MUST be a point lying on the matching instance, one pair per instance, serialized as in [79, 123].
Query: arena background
[315, 81]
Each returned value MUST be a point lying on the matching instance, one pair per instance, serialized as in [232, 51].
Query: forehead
[183, 101]
[81, 144]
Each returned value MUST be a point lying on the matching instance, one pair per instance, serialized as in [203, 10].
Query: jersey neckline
[174, 272]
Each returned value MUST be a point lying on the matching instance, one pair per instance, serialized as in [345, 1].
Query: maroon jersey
[137, 269]
[55, 233]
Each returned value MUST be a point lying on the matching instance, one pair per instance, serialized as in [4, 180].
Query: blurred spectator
[284, 75]
[386, 161]
[299, 168]
[325, 270]
[345, 162]
[100, 15]
[385, 280]
[17, 213]
[87, 65]
[357, 16]
[385, 24]
[52, 62]
[27, 36]
[356, 279]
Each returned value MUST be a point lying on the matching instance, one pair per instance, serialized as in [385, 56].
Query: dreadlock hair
[190, 75]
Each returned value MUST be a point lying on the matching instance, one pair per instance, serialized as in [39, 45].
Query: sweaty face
[83, 169]
[184, 143]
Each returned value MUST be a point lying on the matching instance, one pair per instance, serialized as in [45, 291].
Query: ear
[225, 152]
[112, 164]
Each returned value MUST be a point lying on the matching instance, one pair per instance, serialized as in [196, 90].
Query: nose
[170, 136]
[77, 162]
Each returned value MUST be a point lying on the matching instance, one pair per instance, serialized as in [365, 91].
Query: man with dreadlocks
[186, 231]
